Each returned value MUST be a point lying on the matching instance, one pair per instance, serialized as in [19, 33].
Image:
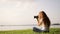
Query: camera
[36, 17]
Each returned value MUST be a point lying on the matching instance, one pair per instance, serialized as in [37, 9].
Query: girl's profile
[43, 23]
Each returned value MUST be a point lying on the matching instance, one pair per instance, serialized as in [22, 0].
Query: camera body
[36, 17]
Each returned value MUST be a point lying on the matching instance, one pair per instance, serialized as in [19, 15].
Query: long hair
[46, 20]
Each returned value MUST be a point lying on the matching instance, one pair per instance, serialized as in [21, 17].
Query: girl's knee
[34, 28]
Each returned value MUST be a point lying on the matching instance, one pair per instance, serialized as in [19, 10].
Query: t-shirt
[42, 27]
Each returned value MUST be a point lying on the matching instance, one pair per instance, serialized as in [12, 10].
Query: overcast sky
[17, 12]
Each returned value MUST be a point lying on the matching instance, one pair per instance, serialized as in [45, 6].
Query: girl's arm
[39, 23]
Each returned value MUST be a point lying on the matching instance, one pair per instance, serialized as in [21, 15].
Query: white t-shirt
[42, 26]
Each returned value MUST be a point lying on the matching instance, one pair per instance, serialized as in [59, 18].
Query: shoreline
[4, 28]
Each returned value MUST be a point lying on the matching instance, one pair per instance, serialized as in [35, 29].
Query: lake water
[2, 28]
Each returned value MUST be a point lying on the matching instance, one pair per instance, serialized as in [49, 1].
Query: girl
[43, 23]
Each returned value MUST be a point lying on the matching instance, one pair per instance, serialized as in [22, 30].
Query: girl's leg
[36, 29]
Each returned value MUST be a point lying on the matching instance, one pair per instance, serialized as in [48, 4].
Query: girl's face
[41, 15]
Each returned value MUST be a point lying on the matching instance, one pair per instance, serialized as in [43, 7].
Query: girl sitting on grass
[43, 23]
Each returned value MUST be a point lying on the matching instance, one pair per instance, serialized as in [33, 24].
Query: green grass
[29, 31]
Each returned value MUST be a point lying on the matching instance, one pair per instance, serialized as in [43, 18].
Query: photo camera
[36, 17]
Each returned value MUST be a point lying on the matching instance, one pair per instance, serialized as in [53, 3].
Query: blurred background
[14, 14]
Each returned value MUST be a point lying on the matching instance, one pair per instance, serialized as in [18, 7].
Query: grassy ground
[29, 31]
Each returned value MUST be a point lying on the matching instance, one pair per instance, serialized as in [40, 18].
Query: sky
[18, 12]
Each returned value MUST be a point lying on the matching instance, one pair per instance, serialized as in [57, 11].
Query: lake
[20, 27]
